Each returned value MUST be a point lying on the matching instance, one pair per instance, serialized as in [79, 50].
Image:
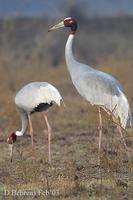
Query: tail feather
[130, 119]
[123, 111]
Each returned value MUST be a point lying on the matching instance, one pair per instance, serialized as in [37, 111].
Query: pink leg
[49, 135]
[31, 130]
[111, 114]
[106, 110]
[118, 127]
[100, 128]
[121, 135]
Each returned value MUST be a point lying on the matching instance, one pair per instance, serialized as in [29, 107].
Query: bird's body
[35, 97]
[99, 88]
[37, 93]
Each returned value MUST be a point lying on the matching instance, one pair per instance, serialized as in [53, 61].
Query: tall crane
[97, 87]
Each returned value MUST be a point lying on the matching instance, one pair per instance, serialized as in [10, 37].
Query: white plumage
[97, 87]
[35, 97]
[35, 93]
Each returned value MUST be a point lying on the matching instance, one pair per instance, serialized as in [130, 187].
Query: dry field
[74, 173]
[28, 53]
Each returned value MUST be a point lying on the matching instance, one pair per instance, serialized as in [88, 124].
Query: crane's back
[35, 93]
[98, 87]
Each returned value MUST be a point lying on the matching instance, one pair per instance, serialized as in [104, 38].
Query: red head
[70, 22]
[67, 22]
[12, 138]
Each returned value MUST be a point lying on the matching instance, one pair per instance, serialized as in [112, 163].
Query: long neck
[74, 66]
[70, 60]
[24, 119]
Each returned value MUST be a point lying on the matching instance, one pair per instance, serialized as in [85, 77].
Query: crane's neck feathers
[73, 29]
[70, 61]
[24, 119]
[72, 32]
[74, 67]
[19, 133]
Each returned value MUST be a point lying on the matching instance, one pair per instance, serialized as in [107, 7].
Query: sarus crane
[35, 97]
[97, 87]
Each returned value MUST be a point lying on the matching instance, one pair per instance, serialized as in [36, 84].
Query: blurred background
[105, 27]
[28, 53]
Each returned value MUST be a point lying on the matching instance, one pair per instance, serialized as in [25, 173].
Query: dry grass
[74, 173]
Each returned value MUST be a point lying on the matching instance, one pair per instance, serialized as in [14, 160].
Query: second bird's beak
[60, 25]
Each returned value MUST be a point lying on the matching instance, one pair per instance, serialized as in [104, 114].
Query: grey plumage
[31, 95]
[35, 97]
[97, 87]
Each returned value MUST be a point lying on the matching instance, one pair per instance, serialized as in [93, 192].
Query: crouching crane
[35, 97]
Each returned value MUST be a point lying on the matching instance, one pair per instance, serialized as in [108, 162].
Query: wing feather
[102, 89]
[31, 95]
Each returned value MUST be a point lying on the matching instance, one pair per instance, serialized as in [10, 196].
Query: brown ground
[74, 173]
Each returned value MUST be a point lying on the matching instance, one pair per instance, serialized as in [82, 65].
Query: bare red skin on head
[72, 23]
[12, 138]
[72, 32]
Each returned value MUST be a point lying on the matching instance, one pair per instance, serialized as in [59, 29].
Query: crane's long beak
[60, 25]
